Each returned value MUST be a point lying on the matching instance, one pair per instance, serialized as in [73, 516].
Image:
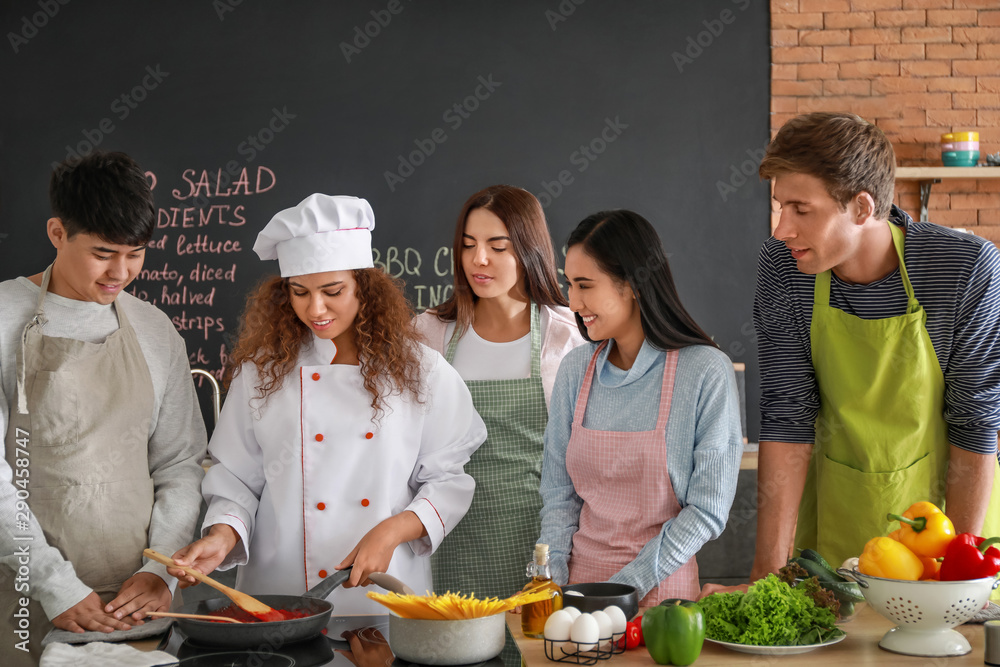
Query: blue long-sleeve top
[703, 440]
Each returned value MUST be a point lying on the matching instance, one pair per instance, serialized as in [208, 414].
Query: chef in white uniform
[347, 449]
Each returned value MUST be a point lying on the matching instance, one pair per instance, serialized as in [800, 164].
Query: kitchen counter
[860, 647]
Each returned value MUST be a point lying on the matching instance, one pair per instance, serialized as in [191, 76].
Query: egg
[585, 632]
[618, 620]
[557, 626]
[572, 611]
[603, 626]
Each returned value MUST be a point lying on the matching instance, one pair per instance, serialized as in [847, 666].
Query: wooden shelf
[930, 175]
[934, 173]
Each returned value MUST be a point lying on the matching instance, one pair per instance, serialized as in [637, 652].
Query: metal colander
[925, 611]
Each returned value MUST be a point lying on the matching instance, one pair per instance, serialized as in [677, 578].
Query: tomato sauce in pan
[234, 612]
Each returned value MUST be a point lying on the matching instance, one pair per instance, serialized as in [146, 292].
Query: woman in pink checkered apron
[643, 444]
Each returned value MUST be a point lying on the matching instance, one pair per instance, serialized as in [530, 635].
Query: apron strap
[38, 320]
[898, 240]
[581, 399]
[536, 342]
[667, 389]
[449, 353]
[821, 290]
[40, 304]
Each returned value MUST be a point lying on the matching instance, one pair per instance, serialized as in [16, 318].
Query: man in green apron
[878, 335]
[103, 434]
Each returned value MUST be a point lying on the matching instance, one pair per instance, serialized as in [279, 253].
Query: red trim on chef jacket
[302, 457]
[435, 511]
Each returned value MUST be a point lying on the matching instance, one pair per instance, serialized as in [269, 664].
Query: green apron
[881, 436]
[489, 549]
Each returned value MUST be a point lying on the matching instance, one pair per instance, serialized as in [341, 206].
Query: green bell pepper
[674, 633]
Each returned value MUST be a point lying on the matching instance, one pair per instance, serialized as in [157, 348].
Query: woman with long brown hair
[342, 440]
[505, 330]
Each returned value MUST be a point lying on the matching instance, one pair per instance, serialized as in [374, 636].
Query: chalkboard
[239, 108]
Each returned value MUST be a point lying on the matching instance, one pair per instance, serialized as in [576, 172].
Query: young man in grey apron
[103, 434]
[880, 380]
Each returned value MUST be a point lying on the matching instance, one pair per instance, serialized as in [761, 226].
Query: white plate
[774, 650]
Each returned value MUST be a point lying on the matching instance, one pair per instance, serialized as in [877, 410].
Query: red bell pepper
[970, 557]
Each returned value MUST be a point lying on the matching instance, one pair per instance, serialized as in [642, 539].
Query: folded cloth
[102, 654]
[148, 629]
[990, 613]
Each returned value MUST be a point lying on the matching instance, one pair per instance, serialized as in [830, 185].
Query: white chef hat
[323, 233]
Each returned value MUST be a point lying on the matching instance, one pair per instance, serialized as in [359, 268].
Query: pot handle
[390, 583]
[854, 575]
[326, 586]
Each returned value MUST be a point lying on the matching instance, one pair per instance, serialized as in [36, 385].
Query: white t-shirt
[479, 359]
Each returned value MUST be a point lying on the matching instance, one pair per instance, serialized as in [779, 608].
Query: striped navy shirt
[955, 277]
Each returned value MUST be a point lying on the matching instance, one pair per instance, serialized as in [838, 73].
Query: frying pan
[264, 636]
[272, 635]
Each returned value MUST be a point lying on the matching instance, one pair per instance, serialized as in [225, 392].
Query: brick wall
[917, 68]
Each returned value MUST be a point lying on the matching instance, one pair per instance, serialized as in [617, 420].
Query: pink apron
[627, 495]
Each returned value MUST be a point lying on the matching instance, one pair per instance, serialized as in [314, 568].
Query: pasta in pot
[453, 606]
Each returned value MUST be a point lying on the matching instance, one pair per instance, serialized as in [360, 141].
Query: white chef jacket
[303, 475]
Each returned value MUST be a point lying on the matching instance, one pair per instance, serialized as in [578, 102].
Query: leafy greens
[770, 613]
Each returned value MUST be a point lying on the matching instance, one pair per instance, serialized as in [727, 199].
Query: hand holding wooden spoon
[247, 603]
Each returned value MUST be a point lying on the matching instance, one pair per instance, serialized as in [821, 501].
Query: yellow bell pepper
[926, 531]
[889, 559]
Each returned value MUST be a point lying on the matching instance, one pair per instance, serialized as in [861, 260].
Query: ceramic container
[597, 596]
[960, 158]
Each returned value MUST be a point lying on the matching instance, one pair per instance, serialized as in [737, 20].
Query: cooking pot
[447, 642]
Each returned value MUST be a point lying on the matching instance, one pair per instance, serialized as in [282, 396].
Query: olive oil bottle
[534, 615]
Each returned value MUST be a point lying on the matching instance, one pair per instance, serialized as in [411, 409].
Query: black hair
[626, 247]
[105, 195]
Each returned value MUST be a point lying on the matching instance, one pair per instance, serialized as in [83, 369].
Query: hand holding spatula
[247, 603]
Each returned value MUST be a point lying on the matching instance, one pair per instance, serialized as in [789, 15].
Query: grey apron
[487, 552]
[84, 412]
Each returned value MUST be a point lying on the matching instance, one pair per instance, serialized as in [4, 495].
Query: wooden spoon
[200, 617]
[247, 603]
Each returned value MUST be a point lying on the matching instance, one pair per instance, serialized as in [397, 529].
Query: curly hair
[271, 337]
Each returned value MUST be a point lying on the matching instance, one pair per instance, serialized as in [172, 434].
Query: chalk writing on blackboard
[407, 262]
[195, 260]
[264, 181]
